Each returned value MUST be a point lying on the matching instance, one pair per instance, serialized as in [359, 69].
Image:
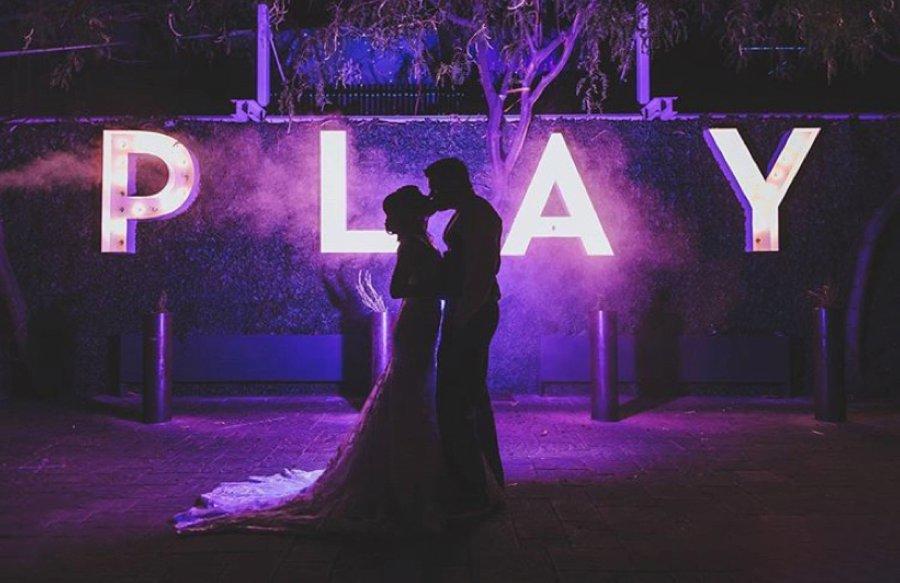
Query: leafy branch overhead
[513, 50]
[517, 48]
[833, 33]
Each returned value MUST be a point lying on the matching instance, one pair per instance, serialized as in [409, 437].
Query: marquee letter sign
[557, 167]
[120, 211]
[760, 196]
[334, 235]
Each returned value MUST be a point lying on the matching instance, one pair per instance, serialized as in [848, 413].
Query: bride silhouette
[385, 477]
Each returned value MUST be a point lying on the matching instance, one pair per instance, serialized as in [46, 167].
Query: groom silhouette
[470, 266]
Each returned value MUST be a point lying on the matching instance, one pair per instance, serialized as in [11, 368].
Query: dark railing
[386, 100]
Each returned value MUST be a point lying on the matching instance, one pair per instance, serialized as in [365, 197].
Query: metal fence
[387, 100]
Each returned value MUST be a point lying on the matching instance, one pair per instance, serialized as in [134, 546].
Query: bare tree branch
[484, 54]
[568, 40]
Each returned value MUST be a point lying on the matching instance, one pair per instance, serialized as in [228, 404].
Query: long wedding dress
[384, 477]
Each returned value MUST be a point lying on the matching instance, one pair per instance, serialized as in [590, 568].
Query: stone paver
[700, 489]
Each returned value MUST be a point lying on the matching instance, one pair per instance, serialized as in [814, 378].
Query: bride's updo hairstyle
[406, 210]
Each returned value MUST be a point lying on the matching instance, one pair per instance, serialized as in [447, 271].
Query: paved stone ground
[698, 489]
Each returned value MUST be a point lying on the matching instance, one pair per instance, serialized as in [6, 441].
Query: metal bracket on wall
[255, 109]
[248, 110]
[660, 108]
[651, 107]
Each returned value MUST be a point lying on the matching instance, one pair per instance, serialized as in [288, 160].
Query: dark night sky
[157, 81]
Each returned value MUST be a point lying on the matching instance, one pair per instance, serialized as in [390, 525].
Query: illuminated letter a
[557, 167]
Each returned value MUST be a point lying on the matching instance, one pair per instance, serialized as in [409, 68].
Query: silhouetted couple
[419, 456]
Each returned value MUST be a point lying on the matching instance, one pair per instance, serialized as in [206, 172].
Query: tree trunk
[499, 182]
[14, 317]
[856, 303]
[499, 176]
[494, 137]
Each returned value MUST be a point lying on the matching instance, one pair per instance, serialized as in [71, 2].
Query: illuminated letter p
[120, 210]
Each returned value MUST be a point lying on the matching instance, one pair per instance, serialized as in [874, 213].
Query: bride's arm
[416, 273]
[402, 276]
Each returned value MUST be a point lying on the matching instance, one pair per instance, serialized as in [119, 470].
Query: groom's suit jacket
[472, 260]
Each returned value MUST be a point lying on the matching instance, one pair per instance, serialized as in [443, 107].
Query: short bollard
[158, 362]
[604, 366]
[382, 328]
[829, 399]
